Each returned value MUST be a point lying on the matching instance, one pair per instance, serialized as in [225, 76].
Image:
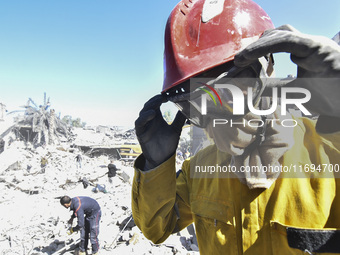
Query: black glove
[157, 139]
[316, 56]
[318, 60]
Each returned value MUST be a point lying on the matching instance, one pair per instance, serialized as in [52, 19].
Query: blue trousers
[91, 230]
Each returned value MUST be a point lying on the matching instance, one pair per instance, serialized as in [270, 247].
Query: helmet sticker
[211, 9]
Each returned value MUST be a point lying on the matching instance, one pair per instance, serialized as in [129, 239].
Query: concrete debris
[34, 222]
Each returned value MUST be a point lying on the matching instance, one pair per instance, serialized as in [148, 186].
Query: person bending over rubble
[88, 213]
[269, 184]
[112, 170]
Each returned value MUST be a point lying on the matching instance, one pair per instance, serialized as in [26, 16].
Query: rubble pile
[34, 222]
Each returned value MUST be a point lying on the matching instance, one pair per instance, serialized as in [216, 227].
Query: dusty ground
[34, 222]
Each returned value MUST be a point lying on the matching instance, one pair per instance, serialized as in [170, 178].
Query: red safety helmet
[202, 34]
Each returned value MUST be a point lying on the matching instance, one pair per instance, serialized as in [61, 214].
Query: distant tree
[67, 119]
[73, 122]
[76, 122]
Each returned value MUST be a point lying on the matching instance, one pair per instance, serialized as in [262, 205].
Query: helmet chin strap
[266, 71]
[260, 137]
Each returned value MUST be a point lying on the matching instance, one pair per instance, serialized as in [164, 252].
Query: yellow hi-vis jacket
[298, 214]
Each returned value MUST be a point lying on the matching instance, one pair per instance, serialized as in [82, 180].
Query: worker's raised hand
[317, 55]
[157, 138]
[317, 58]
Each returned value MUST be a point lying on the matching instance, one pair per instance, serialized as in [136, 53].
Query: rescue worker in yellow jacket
[269, 184]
